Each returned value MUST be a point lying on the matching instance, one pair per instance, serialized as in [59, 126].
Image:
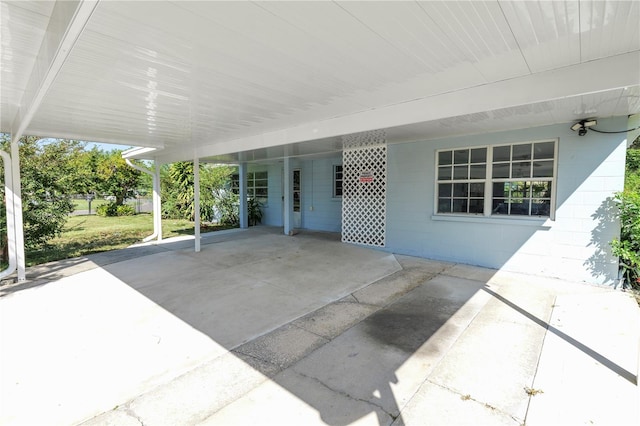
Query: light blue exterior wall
[573, 246]
[272, 211]
[320, 211]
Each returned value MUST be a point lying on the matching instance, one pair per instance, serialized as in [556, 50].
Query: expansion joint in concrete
[277, 367]
[325, 338]
[539, 355]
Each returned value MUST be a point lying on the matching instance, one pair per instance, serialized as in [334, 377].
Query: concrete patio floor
[260, 328]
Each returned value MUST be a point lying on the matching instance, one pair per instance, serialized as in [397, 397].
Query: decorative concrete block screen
[364, 187]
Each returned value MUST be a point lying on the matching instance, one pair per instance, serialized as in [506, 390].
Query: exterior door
[297, 199]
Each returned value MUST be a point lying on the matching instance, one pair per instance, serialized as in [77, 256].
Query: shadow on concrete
[350, 331]
[380, 363]
[615, 368]
[244, 295]
[42, 274]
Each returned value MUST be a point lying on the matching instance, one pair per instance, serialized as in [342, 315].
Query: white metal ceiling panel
[23, 27]
[609, 28]
[241, 75]
[548, 32]
[481, 33]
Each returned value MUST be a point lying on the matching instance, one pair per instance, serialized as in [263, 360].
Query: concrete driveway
[260, 328]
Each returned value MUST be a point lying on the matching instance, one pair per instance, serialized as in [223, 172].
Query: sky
[106, 146]
[102, 146]
[89, 145]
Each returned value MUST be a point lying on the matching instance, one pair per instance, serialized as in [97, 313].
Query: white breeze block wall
[574, 246]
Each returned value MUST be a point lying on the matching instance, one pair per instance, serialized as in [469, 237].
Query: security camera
[582, 126]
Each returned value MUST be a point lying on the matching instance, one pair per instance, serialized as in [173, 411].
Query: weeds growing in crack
[532, 391]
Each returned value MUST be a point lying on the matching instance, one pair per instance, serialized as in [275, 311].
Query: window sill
[544, 223]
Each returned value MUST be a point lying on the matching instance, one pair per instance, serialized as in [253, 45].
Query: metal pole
[288, 197]
[157, 200]
[196, 200]
[244, 212]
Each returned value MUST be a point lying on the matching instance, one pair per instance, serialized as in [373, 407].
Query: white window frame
[489, 181]
[335, 180]
[251, 185]
[457, 181]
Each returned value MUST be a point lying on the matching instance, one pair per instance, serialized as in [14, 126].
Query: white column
[288, 197]
[17, 210]
[10, 217]
[157, 200]
[243, 213]
[196, 200]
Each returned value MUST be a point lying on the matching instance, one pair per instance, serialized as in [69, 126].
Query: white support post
[157, 200]
[17, 210]
[288, 197]
[196, 201]
[244, 211]
[10, 217]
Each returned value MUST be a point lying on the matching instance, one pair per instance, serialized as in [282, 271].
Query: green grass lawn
[93, 234]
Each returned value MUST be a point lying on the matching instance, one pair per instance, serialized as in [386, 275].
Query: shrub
[225, 206]
[125, 210]
[627, 248]
[114, 209]
[255, 211]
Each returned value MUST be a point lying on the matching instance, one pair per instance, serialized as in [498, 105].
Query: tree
[115, 177]
[85, 177]
[47, 181]
[627, 247]
[177, 189]
[632, 171]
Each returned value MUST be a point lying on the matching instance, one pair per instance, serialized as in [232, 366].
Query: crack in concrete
[345, 394]
[468, 397]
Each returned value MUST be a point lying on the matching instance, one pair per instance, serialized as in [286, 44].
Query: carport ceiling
[218, 78]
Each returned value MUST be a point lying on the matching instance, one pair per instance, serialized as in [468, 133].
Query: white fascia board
[89, 138]
[68, 20]
[137, 152]
[591, 77]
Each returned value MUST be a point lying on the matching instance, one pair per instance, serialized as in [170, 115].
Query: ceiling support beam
[600, 75]
[67, 22]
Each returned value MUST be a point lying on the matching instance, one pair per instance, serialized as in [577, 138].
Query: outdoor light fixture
[582, 126]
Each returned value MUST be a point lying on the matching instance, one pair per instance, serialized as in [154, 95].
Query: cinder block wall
[574, 246]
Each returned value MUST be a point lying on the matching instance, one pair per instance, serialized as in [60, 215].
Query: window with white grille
[512, 180]
[461, 180]
[337, 181]
[257, 185]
